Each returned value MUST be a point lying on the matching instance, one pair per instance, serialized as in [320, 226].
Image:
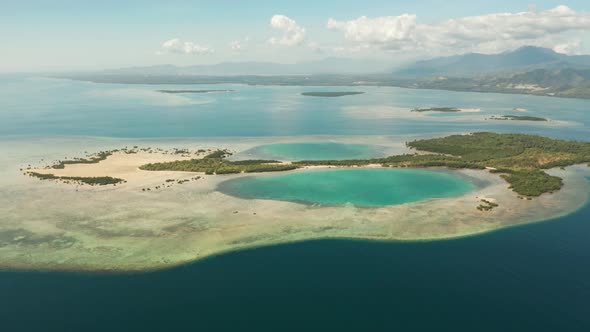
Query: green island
[93, 181]
[193, 91]
[100, 156]
[518, 118]
[519, 159]
[437, 109]
[331, 94]
[216, 163]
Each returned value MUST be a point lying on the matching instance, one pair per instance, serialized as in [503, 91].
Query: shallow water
[49, 107]
[317, 151]
[359, 187]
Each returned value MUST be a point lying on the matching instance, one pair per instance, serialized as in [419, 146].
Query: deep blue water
[529, 278]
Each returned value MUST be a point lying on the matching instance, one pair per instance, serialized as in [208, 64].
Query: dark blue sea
[529, 278]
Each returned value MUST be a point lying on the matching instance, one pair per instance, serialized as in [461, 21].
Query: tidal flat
[57, 226]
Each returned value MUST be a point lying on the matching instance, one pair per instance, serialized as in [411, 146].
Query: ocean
[528, 278]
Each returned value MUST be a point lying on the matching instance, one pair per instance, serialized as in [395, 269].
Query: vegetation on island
[218, 154]
[331, 94]
[487, 205]
[437, 109]
[216, 163]
[520, 159]
[100, 156]
[518, 118]
[193, 91]
[93, 181]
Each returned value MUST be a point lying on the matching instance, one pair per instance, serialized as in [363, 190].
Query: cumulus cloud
[178, 46]
[377, 30]
[291, 33]
[484, 33]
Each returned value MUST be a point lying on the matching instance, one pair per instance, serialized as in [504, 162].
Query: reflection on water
[46, 107]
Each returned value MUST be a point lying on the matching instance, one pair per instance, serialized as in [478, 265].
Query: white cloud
[486, 33]
[239, 46]
[571, 47]
[176, 45]
[292, 33]
[377, 30]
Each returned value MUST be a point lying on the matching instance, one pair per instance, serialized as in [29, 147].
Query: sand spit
[54, 226]
[126, 166]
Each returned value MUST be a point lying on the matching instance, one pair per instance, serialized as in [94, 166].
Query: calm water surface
[360, 187]
[317, 151]
[46, 107]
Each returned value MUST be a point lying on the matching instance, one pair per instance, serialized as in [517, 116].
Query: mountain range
[475, 64]
[527, 70]
[330, 65]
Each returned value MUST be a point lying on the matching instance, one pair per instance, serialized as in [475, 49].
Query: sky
[91, 35]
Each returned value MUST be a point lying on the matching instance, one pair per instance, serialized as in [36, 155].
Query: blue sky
[57, 35]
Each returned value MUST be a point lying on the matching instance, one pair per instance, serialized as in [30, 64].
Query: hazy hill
[527, 70]
[324, 66]
[567, 82]
[475, 64]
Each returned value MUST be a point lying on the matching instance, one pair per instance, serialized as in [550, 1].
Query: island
[519, 158]
[446, 110]
[194, 91]
[331, 94]
[169, 206]
[437, 109]
[518, 118]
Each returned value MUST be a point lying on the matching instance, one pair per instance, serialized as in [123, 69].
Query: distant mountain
[527, 70]
[569, 82]
[474, 64]
[325, 66]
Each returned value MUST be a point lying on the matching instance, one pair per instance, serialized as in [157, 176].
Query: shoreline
[336, 84]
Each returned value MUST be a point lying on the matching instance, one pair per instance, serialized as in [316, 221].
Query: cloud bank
[485, 33]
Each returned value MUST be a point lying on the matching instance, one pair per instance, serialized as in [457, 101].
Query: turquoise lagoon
[317, 151]
[360, 187]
